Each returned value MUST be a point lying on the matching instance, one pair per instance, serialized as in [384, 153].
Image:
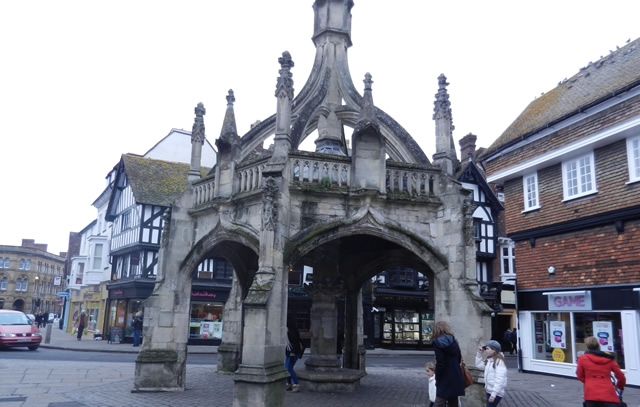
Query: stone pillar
[324, 327]
[353, 330]
[161, 364]
[229, 349]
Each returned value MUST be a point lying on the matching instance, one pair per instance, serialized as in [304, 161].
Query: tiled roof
[594, 83]
[156, 182]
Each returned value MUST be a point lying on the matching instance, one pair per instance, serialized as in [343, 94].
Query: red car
[16, 329]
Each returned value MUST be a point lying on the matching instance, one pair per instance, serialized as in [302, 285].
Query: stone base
[228, 357]
[330, 380]
[259, 386]
[157, 371]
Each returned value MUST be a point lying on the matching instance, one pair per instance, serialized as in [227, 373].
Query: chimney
[467, 147]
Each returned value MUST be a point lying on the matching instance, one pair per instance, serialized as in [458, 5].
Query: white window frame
[96, 262]
[580, 174]
[510, 258]
[529, 205]
[633, 158]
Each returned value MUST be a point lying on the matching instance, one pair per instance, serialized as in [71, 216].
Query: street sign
[62, 294]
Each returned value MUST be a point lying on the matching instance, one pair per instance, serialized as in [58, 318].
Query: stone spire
[445, 147]
[330, 130]
[284, 95]
[368, 110]
[229, 131]
[197, 140]
[332, 16]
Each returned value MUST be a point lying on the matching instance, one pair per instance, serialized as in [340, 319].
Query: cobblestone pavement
[73, 384]
[27, 383]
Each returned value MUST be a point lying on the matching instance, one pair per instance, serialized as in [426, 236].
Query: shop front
[124, 301]
[206, 317]
[554, 325]
[404, 321]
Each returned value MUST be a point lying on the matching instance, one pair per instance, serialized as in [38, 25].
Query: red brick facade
[613, 193]
[597, 256]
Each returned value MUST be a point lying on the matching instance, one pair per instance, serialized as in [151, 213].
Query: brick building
[569, 167]
[30, 277]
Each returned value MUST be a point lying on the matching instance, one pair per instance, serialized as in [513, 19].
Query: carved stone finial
[367, 81]
[367, 110]
[442, 106]
[230, 98]
[197, 132]
[284, 87]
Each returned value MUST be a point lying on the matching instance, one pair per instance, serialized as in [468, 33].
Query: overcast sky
[82, 82]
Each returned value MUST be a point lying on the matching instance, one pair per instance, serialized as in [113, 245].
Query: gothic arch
[240, 249]
[310, 238]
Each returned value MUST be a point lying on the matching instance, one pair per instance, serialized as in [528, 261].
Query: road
[198, 359]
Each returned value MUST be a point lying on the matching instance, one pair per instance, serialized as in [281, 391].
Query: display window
[559, 336]
[206, 320]
[407, 327]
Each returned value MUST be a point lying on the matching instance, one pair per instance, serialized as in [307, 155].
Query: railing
[415, 182]
[204, 191]
[310, 170]
[250, 177]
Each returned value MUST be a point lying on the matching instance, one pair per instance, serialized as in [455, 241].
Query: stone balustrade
[310, 169]
[412, 181]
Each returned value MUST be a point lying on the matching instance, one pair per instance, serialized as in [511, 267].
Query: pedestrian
[38, 319]
[82, 323]
[594, 370]
[431, 373]
[506, 340]
[495, 371]
[294, 351]
[449, 380]
[514, 341]
[137, 328]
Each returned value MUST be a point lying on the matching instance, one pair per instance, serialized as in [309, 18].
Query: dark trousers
[589, 403]
[448, 402]
[496, 400]
[80, 331]
[289, 363]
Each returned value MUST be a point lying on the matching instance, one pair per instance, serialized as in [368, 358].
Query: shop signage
[62, 294]
[118, 292]
[201, 294]
[57, 280]
[508, 297]
[569, 301]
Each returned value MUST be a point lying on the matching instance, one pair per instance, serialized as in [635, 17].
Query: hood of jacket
[447, 343]
[599, 357]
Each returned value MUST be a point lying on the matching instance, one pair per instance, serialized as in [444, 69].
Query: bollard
[47, 336]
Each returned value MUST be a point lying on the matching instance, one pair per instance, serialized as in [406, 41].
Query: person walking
[449, 380]
[137, 328]
[81, 323]
[294, 351]
[506, 340]
[594, 370]
[495, 371]
[514, 341]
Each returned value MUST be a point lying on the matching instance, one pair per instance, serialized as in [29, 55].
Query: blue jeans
[136, 338]
[495, 401]
[289, 363]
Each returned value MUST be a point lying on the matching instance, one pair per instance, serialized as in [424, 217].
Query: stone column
[229, 349]
[324, 327]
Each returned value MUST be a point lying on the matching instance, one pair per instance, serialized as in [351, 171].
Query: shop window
[606, 326]
[553, 337]
[560, 335]
[206, 320]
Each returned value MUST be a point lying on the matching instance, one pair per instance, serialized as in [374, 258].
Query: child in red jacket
[594, 370]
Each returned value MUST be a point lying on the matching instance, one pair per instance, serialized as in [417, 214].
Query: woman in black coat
[449, 381]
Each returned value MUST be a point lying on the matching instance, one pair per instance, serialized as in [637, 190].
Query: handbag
[466, 375]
